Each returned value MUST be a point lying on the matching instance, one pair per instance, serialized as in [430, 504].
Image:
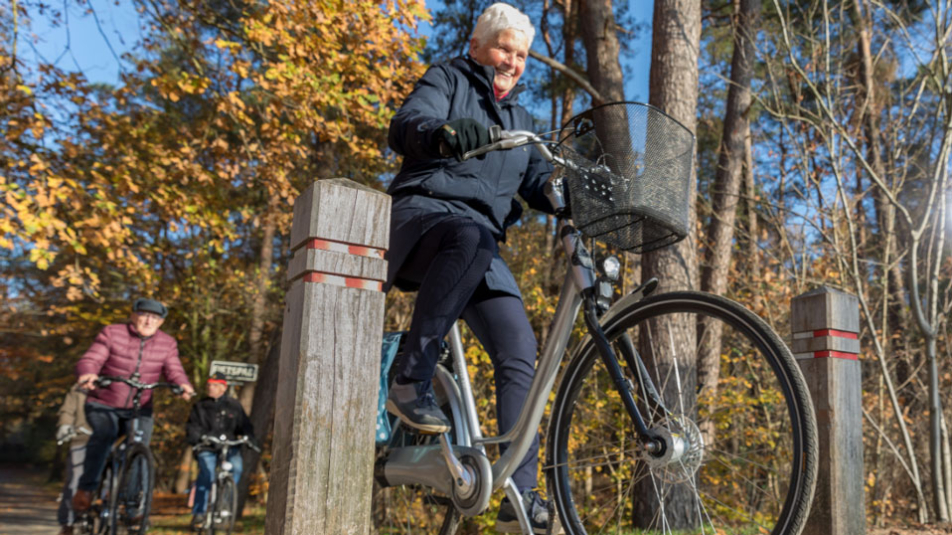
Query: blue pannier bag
[388, 353]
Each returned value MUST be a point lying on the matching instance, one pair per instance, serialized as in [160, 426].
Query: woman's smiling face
[506, 53]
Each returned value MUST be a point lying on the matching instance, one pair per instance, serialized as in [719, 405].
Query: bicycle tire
[223, 510]
[599, 486]
[134, 493]
[107, 521]
[414, 509]
[93, 521]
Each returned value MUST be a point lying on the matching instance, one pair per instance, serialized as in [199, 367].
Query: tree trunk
[259, 305]
[602, 48]
[753, 224]
[730, 166]
[262, 416]
[184, 472]
[569, 35]
[674, 89]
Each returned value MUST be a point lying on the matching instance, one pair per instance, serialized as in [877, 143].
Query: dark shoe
[66, 530]
[81, 500]
[538, 512]
[415, 405]
[198, 522]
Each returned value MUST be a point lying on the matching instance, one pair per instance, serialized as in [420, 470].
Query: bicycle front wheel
[737, 426]
[226, 503]
[97, 519]
[135, 489]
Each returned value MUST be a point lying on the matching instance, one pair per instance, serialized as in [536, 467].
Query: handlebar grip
[177, 390]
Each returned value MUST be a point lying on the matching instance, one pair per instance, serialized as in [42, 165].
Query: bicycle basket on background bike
[629, 173]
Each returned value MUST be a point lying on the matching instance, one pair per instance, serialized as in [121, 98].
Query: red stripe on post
[348, 282]
[348, 248]
[835, 355]
[835, 333]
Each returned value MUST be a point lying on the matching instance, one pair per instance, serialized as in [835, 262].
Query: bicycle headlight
[611, 267]
[227, 466]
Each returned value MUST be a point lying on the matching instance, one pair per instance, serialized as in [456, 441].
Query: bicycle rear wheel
[741, 455]
[134, 498]
[223, 510]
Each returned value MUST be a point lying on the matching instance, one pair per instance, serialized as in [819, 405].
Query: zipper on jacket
[134, 372]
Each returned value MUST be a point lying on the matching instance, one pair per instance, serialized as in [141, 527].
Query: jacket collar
[485, 75]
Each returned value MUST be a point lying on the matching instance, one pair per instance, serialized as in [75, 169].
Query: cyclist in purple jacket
[124, 349]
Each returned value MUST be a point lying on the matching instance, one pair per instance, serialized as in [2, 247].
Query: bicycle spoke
[729, 456]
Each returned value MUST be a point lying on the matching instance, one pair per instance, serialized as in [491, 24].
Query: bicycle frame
[221, 472]
[426, 464]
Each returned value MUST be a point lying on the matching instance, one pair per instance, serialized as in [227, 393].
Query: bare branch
[571, 74]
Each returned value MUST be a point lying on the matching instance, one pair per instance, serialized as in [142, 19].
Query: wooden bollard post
[326, 408]
[825, 325]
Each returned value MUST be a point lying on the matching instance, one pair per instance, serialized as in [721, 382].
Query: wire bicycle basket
[629, 175]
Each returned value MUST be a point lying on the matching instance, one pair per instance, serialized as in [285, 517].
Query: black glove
[458, 137]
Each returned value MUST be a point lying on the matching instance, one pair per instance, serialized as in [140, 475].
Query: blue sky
[93, 36]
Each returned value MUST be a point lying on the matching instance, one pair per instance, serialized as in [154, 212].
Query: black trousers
[449, 263]
[108, 423]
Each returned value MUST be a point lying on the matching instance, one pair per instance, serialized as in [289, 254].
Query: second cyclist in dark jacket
[216, 415]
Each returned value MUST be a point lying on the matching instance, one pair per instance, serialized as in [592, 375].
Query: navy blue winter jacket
[484, 188]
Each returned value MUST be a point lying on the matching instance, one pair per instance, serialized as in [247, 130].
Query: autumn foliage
[177, 181]
[162, 184]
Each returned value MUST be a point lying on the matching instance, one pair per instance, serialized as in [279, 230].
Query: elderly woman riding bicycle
[447, 218]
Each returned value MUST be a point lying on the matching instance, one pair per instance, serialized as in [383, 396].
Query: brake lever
[495, 138]
[480, 151]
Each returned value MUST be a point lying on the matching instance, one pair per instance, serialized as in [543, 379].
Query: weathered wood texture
[322, 473]
[835, 386]
[824, 308]
[350, 213]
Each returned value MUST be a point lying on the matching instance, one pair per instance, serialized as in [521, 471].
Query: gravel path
[27, 504]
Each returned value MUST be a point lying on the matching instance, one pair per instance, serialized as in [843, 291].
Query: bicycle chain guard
[425, 465]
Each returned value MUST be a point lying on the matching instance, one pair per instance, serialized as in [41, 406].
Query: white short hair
[499, 17]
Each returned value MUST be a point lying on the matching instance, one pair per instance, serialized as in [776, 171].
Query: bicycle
[633, 446]
[223, 495]
[124, 496]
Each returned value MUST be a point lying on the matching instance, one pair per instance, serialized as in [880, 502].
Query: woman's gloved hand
[460, 136]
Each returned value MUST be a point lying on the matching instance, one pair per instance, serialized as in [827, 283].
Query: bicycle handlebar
[509, 139]
[221, 441]
[106, 380]
[73, 434]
